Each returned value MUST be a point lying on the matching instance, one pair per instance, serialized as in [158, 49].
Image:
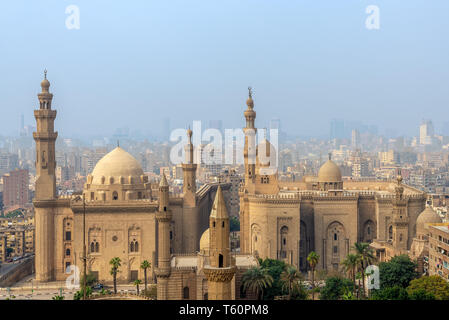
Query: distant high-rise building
[426, 132]
[15, 188]
[355, 139]
[337, 129]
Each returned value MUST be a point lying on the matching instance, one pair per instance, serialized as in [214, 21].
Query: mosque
[186, 238]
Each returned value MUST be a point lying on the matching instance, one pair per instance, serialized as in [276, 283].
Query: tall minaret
[249, 152]
[400, 217]
[45, 194]
[163, 217]
[45, 138]
[190, 233]
[221, 269]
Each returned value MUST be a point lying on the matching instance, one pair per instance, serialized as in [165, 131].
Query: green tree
[350, 265]
[421, 294]
[290, 279]
[399, 271]
[257, 279]
[434, 285]
[58, 298]
[80, 293]
[335, 288]
[115, 263]
[390, 293]
[274, 269]
[313, 259]
[366, 257]
[145, 265]
[137, 283]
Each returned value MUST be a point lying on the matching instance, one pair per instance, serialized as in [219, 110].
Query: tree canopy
[335, 288]
[399, 271]
[429, 285]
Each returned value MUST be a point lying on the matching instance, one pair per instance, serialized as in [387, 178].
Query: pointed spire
[219, 207]
[163, 182]
[189, 135]
[45, 74]
[118, 143]
[330, 156]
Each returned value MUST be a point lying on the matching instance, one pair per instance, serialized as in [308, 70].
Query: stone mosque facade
[288, 220]
[120, 211]
[186, 237]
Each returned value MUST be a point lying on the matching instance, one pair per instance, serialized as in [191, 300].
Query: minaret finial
[118, 143]
[45, 73]
[330, 155]
[250, 91]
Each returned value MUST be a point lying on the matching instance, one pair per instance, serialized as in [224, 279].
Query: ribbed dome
[329, 172]
[204, 240]
[427, 216]
[117, 163]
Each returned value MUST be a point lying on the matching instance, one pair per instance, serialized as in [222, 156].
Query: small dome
[329, 172]
[250, 103]
[204, 241]
[425, 217]
[117, 163]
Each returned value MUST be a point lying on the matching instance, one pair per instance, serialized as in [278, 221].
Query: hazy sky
[134, 63]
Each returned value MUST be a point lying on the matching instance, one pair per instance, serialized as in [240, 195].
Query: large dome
[425, 217]
[204, 241]
[329, 172]
[117, 164]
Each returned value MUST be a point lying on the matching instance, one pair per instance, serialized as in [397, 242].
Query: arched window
[136, 247]
[220, 261]
[206, 296]
[335, 236]
[97, 247]
[67, 252]
[115, 195]
[222, 224]
[131, 247]
[390, 232]
[185, 293]
[92, 247]
[400, 237]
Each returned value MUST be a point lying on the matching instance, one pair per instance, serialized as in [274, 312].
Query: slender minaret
[45, 138]
[189, 170]
[190, 233]
[45, 189]
[163, 217]
[249, 152]
[400, 217]
[221, 269]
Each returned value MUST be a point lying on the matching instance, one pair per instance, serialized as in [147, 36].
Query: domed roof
[117, 163]
[204, 240]
[425, 217]
[329, 172]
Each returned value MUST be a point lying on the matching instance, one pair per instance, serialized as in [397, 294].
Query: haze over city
[135, 64]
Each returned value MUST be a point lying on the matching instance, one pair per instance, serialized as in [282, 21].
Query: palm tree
[313, 259]
[145, 265]
[350, 264]
[290, 278]
[256, 280]
[136, 283]
[365, 256]
[115, 262]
